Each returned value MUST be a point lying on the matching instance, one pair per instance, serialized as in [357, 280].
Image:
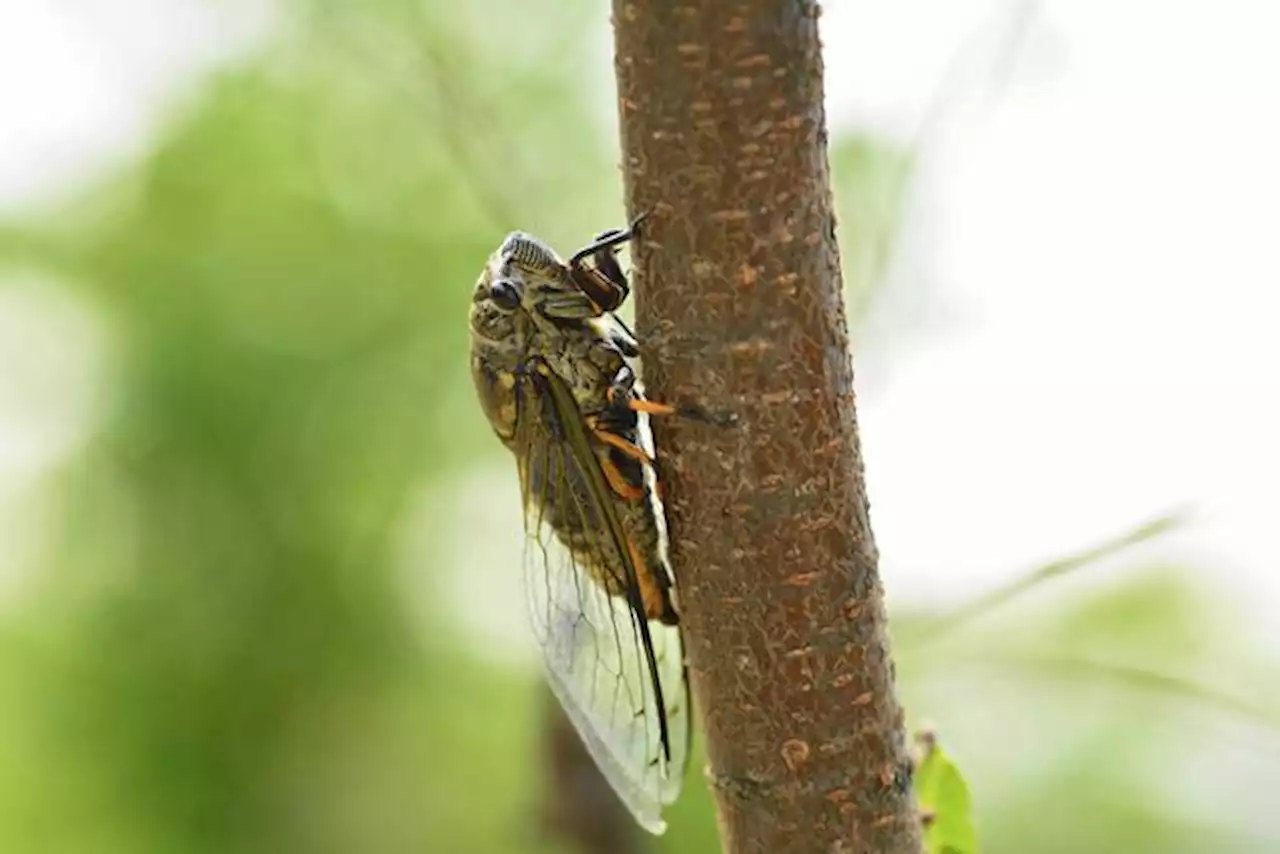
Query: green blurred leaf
[943, 795]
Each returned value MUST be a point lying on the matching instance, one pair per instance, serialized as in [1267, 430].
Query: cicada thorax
[589, 362]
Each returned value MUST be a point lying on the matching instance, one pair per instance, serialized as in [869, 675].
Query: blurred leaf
[943, 795]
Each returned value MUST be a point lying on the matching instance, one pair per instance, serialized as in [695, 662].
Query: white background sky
[1096, 226]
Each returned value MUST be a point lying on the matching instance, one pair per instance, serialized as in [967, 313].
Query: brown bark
[739, 308]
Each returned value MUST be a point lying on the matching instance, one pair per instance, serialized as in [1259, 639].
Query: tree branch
[739, 308]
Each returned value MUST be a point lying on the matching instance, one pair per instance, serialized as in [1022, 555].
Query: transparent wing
[620, 678]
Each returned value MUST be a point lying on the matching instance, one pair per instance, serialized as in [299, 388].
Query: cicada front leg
[603, 280]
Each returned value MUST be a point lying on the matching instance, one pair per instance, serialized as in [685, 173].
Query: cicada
[556, 375]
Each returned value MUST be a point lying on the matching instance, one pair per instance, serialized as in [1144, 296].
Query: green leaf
[943, 795]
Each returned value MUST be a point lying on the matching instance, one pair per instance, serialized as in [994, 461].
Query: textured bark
[739, 308]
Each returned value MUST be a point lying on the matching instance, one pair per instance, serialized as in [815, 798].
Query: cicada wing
[620, 678]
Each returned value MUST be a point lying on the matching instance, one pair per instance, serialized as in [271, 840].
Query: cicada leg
[621, 469]
[622, 398]
[609, 240]
[608, 429]
[603, 281]
[623, 460]
[615, 426]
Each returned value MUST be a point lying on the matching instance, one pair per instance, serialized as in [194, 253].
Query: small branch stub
[739, 310]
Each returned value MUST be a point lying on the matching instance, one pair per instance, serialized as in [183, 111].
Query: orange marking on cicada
[656, 606]
[629, 448]
[650, 407]
[618, 482]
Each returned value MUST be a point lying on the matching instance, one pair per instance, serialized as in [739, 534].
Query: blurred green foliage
[216, 655]
[943, 797]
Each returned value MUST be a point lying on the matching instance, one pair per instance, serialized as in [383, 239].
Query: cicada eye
[505, 294]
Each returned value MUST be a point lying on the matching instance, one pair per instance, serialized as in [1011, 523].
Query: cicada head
[522, 268]
[523, 255]
[495, 302]
[508, 313]
[525, 274]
